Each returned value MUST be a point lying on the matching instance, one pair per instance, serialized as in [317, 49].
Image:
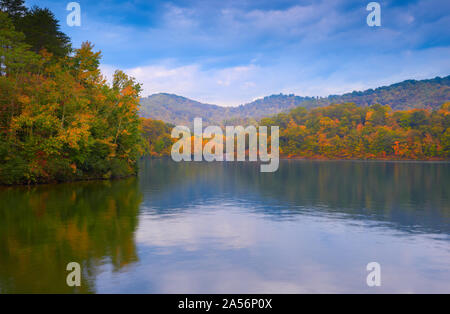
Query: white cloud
[232, 54]
[224, 86]
[241, 84]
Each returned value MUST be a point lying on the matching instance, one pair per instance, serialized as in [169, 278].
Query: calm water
[226, 227]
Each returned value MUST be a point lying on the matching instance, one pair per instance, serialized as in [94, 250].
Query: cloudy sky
[231, 52]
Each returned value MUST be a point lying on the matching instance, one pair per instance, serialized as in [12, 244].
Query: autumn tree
[60, 119]
[350, 131]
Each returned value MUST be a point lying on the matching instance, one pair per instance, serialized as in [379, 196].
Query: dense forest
[59, 119]
[157, 137]
[346, 131]
[375, 132]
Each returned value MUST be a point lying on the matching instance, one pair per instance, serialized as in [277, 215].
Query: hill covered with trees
[410, 94]
[59, 119]
[179, 110]
[344, 131]
[349, 131]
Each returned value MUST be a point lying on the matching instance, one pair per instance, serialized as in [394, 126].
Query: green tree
[14, 8]
[42, 31]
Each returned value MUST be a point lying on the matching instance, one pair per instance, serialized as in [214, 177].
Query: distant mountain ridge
[179, 110]
[408, 94]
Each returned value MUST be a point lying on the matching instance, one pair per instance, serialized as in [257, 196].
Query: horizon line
[293, 94]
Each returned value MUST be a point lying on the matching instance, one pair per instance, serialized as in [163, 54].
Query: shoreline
[2, 185]
[360, 159]
[291, 158]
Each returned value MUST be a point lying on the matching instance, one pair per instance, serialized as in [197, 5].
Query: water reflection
[225, 227]
[411, 196]
[311, 227]
[45, 227]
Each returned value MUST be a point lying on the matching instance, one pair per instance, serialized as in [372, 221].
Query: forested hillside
[410, 94]
[182, 111]
[345, 131]
[179, 110]
[59, 119]
[375, 132]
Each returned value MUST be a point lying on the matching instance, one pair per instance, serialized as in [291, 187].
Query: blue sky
[231, 52]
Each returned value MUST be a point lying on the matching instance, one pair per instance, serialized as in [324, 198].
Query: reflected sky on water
[199, 227]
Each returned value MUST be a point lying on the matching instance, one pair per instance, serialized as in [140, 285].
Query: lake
[199, 227]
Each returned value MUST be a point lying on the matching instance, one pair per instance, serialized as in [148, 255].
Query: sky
[232, 52]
